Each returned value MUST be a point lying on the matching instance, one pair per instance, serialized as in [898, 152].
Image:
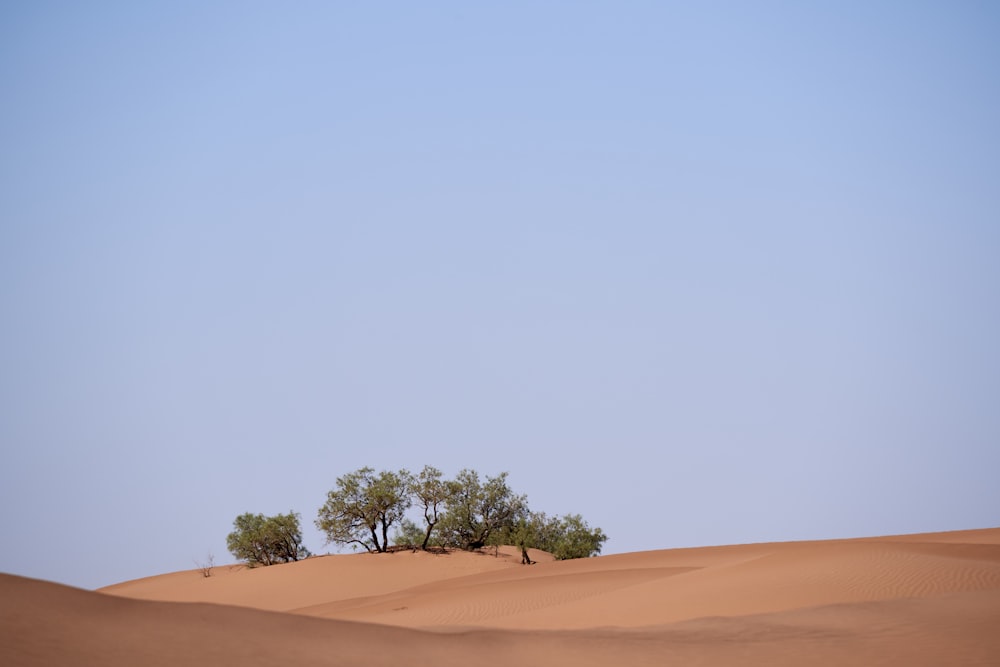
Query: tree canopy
[467, 512]
[477, 510]
[569, 536]
[564, 537]
[363, 507]
[266, 540]
[431, 493]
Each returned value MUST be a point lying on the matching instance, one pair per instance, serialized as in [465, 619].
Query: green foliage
[521, 532]
[571, 537]
[476, 512]
[363, 507]
[431, 493]
[409, 534]
[467, 512]
[262, 540]
[564, 537]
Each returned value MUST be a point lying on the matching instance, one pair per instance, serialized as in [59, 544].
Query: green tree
[266, 540]
[409, 534]
[431, 493]
[571, 537]
[475, 511]
[524, 532]
[564, 537]
[363, 507]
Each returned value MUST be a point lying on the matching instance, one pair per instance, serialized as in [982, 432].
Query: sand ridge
[917, 599]
[628, 590]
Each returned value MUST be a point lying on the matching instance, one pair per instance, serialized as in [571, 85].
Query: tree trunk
[427, 536]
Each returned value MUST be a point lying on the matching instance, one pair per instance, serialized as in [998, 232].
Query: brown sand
[931, 599]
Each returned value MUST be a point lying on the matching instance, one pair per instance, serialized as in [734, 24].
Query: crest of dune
[926, 599]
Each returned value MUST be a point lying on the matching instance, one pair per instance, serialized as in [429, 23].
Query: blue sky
[702, 272]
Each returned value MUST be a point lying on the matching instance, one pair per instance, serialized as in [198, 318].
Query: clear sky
[702, 272]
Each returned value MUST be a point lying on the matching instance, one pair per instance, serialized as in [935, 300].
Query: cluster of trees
[467, 512]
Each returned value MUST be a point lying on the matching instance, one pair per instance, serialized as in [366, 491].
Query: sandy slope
[316, 580]
[916, 599]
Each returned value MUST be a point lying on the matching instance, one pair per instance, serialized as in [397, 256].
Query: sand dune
[917, 600]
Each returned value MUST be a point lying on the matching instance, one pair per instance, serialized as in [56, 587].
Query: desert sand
[929, 599]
